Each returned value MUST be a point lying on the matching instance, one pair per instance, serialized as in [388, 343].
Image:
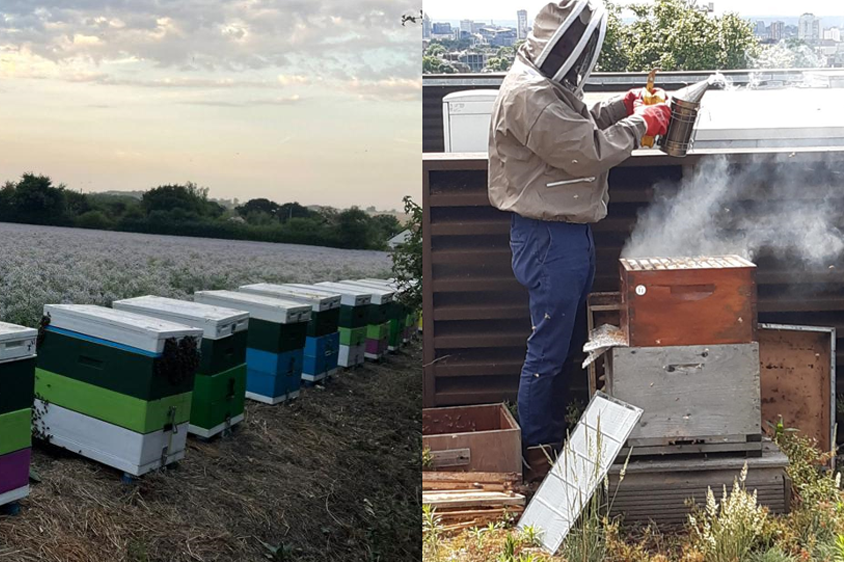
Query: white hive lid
[16, 342]
[118, 326]
[319, 302]
[216, 322]
[347, 297]
[380, 295]
[260, 307]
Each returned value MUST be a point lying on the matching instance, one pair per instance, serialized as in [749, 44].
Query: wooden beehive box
[482, 438]
[691, 395]
[688, 301]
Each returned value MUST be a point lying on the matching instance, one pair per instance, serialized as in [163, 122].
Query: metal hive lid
[672, 264]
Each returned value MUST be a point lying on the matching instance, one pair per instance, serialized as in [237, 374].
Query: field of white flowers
[40, 264]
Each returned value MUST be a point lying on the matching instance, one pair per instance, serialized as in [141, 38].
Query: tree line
[670, 35]
[186, 210]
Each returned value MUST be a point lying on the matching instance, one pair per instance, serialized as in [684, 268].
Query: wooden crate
[705, 301]
[657, 490]
[798, 379]
[482, 438]
[689, 394]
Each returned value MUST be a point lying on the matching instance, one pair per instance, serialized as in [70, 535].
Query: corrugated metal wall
[475, 313]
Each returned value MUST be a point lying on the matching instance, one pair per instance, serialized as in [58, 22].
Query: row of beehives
[125, 385]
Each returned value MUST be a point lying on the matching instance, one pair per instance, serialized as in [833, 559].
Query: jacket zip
[569, 182]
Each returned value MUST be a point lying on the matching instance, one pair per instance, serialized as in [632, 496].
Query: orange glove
[657, 117]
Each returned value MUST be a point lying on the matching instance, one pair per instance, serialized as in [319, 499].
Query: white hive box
[319, 301]
[386, 283]
[347, 298]
[380, 295]
[466, 118]
[269, 309]
[16, 342]
[14, 495]
[112, 445]
[376, 296]
[118, 326]
[216, 322]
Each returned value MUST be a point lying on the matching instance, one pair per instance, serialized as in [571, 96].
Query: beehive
[397, 313]
[220, 383]
[378, 322]
[116, 386]
[688, 301]
[322, 345]
[275, 344]
[352, 324]
[17, 380]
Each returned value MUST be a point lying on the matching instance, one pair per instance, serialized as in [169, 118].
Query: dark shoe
[537, 462]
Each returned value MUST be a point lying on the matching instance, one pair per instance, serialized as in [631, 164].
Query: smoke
[770, 206]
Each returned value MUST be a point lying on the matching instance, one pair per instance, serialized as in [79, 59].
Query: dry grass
[334, 476]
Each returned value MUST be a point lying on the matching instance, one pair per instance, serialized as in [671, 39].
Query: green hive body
[218, 398]
[223, 354]
[354, 316]
[353, 336]
[323, 323]
[15, 431]
[17, 381]
[132, 413]
[277, 338]
[109, 367]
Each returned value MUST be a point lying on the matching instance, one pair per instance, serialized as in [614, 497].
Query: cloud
[393, 89]
[235, 35]
[279, 101]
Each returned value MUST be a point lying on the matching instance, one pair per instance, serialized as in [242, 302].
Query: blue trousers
[555, 261]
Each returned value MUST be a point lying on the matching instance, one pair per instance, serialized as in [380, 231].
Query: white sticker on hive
[580, 469]
[641, 290]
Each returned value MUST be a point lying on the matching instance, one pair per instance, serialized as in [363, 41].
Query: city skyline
[313, 102]
[443, 10]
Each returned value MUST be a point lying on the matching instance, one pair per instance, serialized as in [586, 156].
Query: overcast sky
[484, 10]
[311, 100]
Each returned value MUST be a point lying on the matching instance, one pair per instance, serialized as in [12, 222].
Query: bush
[95, 220]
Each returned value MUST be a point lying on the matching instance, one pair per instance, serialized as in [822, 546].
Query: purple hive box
[14, 470]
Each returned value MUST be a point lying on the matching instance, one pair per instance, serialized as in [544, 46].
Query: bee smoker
[685, 105]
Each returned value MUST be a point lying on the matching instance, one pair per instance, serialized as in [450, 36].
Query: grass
[331, 477]
[733, 528]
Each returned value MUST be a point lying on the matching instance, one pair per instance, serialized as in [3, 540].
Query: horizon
[312, 102]
[464, 9]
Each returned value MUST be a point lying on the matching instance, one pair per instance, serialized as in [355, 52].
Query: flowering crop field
[41, 264]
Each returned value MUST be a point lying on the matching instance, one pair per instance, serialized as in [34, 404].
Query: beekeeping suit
[549, 159]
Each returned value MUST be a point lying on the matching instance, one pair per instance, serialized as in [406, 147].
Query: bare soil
[332, 476]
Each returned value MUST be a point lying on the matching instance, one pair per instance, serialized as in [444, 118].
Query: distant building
[522, 26]
[475, 61]
[466, 26]
[498, 36]
[441, 29]
[832, 34]
[776, 31]
[426, 26]
[398, 239]
[809, 28]
[761, 30]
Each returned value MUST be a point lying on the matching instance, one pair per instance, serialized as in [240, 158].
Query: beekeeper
[549, 158]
